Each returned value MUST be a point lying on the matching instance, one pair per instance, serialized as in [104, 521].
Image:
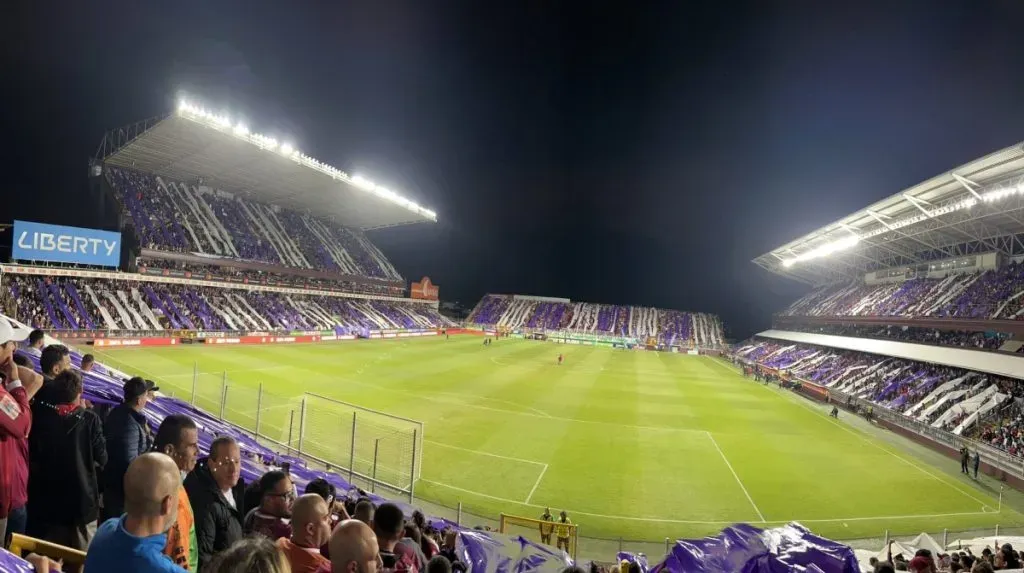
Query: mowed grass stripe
[622, 433]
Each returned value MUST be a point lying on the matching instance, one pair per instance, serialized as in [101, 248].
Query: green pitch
[633, 444]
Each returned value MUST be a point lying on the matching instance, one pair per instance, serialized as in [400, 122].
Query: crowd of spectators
[960, 338]
[994, 293]
[667, 327]
[182, 217]
[286, 279]
[143, 305]
[941, 396]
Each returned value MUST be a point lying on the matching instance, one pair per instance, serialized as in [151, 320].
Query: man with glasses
[273, 497]
[217, 493]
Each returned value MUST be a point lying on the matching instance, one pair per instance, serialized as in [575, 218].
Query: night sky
[595, 151]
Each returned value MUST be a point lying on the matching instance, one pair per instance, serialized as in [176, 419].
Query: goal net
[539, 530]
[375, 448]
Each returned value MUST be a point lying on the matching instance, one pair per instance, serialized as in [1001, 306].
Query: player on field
[547, 526]
[562, 527]
[560, 358]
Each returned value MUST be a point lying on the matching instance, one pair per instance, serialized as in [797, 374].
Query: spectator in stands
[15, 423]
[36, 340]
[251, 555]
[389, 525]
[328, 492]
[311, 529]
[127, 439]
[412, 540]
[439, 564]
[88, 361]
[354, 548]
[54, 359]
[178, 438]
[66, 451]
[31, 382]
[364, 511]
[217, 493]
[272, 497]
[135, 541]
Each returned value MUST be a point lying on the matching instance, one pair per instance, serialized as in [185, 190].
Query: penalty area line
[482, 453]
[742, 487]
[537, 483]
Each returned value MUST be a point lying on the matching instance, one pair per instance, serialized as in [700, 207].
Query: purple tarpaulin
[484, 553]
[744, 548]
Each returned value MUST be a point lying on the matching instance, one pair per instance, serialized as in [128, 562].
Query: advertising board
[60, 244]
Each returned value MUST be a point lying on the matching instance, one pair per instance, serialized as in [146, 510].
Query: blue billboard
[60, 244]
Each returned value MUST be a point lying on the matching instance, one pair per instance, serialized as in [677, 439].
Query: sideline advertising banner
[60, 244]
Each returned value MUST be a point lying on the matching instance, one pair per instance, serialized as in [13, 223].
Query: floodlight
[287, 149]
[241, 129]
[787, 263]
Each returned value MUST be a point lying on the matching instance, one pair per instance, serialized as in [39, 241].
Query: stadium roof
[975, 208]
[193, 143]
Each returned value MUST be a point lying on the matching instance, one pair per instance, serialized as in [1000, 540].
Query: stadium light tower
[222, 122]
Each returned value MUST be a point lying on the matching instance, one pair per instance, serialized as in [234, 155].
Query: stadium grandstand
[637, 325]
[916, 316]
[236, 238]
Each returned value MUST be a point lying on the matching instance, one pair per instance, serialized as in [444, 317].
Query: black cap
[135, 387]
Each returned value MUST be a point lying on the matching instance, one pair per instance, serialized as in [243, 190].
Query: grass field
[634, 444]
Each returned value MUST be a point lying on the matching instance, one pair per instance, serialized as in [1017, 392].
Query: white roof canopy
[191, 144]
[975, 208]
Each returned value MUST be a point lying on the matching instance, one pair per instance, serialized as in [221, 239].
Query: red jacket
[15, 422]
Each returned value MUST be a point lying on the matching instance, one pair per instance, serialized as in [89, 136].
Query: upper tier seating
[669, 327]
[175, 216]
[53, 303]
[997, 293]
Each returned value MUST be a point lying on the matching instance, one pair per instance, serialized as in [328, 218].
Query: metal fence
[373, 449]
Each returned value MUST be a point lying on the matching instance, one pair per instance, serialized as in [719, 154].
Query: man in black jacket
[216, 491]
[66, 451]
[127, 438]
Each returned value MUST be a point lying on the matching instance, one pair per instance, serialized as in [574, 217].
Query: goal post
[370, 446]
[539, 530]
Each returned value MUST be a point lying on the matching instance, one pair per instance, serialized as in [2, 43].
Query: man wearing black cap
[127, 438]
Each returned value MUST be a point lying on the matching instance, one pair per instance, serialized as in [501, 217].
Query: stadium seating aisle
[668, 327]
[177, 306]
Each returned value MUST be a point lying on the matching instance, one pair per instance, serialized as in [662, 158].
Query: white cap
[9, 332]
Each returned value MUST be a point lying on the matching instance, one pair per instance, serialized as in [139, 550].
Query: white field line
[499, 401]
[867, 439]
[705, 522]
[742, 487]
[482, 453]
[432, 398]
[537, 483]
